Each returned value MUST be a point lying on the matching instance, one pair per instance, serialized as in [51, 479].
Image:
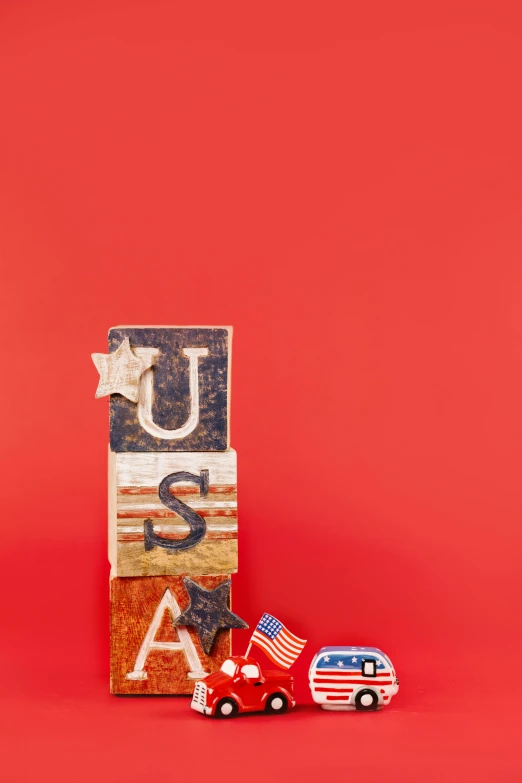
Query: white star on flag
[327, 658]
[340, 663]
[120, 372]
[354, 660]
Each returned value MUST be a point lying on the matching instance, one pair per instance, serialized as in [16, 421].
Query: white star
[340, 663]
[326, 658]
[354, 660]
[380, 663]
[120, 372]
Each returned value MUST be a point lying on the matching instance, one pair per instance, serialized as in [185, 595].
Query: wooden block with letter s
[149, 652]
[172, 513]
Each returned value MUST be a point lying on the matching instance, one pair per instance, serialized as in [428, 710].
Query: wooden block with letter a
[149, 653]
[172, 513]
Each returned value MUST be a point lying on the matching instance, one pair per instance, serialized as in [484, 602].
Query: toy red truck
[241, 686]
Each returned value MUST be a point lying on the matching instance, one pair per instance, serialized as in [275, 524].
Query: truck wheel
[366, 700]
[226, 708]
[276, 704]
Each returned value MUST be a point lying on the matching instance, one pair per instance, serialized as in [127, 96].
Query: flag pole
[248, 649]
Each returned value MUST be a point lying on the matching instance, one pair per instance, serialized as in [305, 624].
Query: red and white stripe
[334, 683]
[136, 504]
[283, 650]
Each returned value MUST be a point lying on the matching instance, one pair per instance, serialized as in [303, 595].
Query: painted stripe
[329, 690]
[269, 653]
[262, 641]
[367, 682]
[285, 650]
[211, 527]
[338, 698]
[295, 639]
[167, 514]
[291, 651]
[195, 504]
[275, 648]
[338, 682]
[151, 500]
[345, 672]
[288, 654]
[283, 636]
[129, 538]
[179, 489]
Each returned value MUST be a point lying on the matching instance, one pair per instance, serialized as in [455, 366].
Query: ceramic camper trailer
[352, 678]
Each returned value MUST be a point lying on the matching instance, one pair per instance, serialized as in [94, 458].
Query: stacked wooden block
[172, 505]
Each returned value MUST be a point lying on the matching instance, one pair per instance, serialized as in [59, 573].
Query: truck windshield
[229, 667]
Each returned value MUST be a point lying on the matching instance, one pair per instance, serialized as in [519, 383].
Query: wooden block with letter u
[180, 393]
[172, 513]
[150, 653]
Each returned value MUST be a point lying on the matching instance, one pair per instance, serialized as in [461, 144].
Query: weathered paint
[208, 611]
[172, 402]
[172, 513]
[166, 666]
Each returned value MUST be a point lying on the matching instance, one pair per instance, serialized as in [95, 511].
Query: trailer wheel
[366, 700]
[226, 708]
[276, 704]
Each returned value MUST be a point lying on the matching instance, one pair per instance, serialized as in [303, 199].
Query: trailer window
[369, 668]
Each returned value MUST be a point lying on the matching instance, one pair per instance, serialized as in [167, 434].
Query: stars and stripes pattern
[276, 641]
[348, 661]
[338, 674]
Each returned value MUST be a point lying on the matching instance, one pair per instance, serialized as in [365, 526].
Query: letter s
[198, 526]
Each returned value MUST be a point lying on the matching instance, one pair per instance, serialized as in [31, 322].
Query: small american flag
[276, 641]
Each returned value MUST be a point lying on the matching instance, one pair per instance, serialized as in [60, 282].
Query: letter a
[185, 643]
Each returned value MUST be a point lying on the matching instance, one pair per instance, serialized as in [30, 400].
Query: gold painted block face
[173, 513]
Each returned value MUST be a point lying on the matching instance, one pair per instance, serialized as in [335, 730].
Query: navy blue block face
[183, 404]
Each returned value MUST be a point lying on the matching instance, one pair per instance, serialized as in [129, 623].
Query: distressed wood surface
[149, 654]
[184, 398]
[120, 372]
[208, 611]
[146, 533]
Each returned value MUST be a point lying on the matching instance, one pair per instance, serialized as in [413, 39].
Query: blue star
[208, 611]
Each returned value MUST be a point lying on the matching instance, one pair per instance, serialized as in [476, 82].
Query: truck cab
[241, 686]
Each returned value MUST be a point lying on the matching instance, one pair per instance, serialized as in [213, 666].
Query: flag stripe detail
[283, 648]
[261, 638]
[290, 646]
[279, 644]
[270, 654]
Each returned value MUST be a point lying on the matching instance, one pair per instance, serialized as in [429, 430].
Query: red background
[342, 184]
